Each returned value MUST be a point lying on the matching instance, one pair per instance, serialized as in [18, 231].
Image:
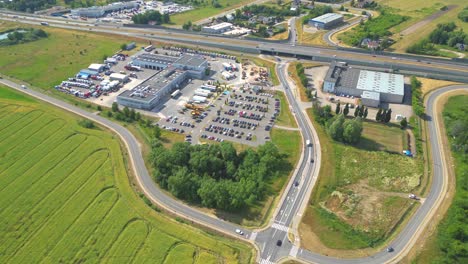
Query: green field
[66, 198]
[57, 57]
[206, 11]
[417, 10]
[360, 195]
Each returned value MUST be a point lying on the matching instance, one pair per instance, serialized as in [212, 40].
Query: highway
[294, 198]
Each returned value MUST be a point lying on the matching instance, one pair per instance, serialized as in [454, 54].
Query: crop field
[360, 197]
[66, 198]
[206, 11]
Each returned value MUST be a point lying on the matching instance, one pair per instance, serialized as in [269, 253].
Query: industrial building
[373, 87]
[195, 65]
[100, 11]
[148, 94]
[326, 21]
[218, 28]
[172, 72]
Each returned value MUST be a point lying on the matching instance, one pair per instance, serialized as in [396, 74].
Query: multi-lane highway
[292, 203]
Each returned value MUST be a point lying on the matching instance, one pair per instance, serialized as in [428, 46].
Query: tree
[361, 111]
[115, 107]
[382, 117]
[388, 116]
[378, 115]
[338, 109]
[123, 46]
[404, 123]
[352, 130]
[126, 111]
[356, 111]
[365, 114]
[335, 130]
[346, 110]
[99, 108]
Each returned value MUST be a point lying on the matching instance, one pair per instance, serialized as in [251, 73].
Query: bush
[463, 15]
[86, 123]
[416, 97]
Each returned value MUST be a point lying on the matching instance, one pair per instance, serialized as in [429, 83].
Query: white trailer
[199, 99]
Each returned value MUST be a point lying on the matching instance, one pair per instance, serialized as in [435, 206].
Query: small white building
[96, 67]
[218, 28]
[118, 77]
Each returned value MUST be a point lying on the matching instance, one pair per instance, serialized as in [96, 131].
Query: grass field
[285, 117]
[417, 10]
[57, 57]
[356, 201]
[66, 197]
[206, 11]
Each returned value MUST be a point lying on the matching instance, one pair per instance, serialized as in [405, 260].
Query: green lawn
[66, 197]
[352, 205]
[285, 118]
[383, 137]
[206, 11]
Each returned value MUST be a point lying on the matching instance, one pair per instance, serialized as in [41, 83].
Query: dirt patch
[427, 85]
[413, 28]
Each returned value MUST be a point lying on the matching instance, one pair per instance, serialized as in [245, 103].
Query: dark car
[279, 243]
[296, 183]
[390, 249]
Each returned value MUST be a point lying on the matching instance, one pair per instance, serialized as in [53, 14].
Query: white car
[238, 231]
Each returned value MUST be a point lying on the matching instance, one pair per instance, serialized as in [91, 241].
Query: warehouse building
[118, 77]
[218, 28]
[100, 11]
[326, 21]
[373, 87]
[148, 94]
[195, 65]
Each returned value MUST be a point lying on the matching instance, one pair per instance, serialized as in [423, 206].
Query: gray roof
[147, 90]
[190, 60]
[381, 82]
[329, 17]
[342, 75]
[156, 58]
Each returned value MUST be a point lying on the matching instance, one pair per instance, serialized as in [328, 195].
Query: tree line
[151, 16]
[416, 97]
[444, 34]
[29, 6]
[22, 35]
[215, 175]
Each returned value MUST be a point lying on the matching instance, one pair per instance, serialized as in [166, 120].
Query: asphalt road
[294, 196]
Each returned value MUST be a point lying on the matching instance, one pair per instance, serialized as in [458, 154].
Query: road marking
[280, 227]
[265, 261]
[293, 252]
[253, 236]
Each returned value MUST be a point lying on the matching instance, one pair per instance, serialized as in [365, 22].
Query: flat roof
[155, 58]
[342, 75]
[326, 18]
[147, 90]
[220, 26]
[117, 75]
[191, 60]
[370, 95]
[381, 82]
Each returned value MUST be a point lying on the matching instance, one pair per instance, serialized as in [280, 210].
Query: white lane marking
[253, 236]
[293, 252]
[266, 261]
[280, 227]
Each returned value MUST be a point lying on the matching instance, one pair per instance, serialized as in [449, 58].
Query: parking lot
[239, 115]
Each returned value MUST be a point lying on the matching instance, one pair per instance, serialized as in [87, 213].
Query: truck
[44, 23]
[175, 93]
[308, 143]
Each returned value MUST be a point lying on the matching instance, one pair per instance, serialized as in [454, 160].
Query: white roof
[221, 25]
[371, 95]
[95, 66]
[327, 18]
[381, 82]
[116, 75]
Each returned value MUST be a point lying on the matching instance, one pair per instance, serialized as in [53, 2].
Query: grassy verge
[69, 196]
[356, 202]
[285, 117]
[205, 11]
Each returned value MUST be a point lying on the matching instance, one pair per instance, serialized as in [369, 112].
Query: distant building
[194, 64]
[218, 28]
[373, 87]
[100, 11]
[326, 21]
[96, 67]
